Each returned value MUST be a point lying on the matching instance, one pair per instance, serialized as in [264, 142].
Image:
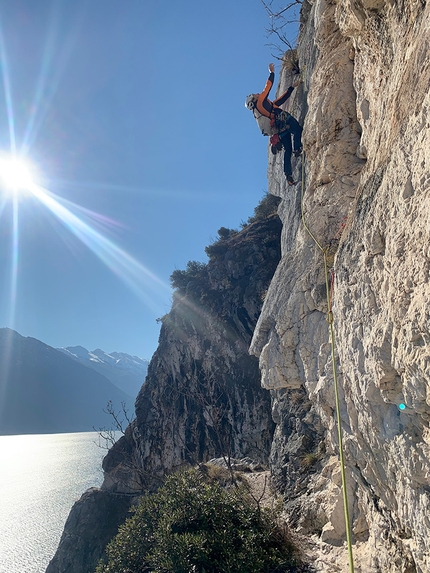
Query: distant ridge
[42, 390]
[125, 371]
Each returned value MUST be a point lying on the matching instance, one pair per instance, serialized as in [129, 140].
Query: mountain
[351, 411]
[125, 371]
[44, 391]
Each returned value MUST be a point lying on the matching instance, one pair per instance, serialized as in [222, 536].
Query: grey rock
[92, 522]
[365, 105]
[370, 210]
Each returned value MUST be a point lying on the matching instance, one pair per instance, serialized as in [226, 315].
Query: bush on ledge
[191, 525]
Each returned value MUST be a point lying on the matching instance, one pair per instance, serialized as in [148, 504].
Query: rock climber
[284, 125]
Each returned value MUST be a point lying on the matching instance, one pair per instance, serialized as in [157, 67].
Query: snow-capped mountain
[127, 372]
[45, 391]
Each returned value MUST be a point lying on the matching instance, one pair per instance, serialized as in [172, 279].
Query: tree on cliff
[193, 525]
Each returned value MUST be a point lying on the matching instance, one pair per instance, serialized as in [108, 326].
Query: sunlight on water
[41, 477]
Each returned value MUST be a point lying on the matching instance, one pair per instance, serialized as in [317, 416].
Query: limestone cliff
[365, 104]
[202, 397]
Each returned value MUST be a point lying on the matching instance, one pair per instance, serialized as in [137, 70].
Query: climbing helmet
[250, 101]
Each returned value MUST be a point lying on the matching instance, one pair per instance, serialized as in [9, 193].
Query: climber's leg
[286, 142]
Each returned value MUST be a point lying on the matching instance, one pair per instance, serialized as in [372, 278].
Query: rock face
[92, 522]
[202, 397]
[366, 201]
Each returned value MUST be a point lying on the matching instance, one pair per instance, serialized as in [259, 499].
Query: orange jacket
[264, 105]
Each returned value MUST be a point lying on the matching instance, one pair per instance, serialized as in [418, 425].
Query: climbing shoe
[298, 152]
[290, 179]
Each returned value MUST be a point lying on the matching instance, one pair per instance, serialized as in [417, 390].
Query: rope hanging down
[330, 321]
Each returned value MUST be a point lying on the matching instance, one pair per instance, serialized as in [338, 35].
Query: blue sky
[132, 113]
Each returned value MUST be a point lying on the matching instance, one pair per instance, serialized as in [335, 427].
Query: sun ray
[88, 226]
[192, 309]
[5, 353]
[102, 221]
[15, 261]
[7, 91]
[133, 273]
[46, 90]
[159, 192]
[3, 204]
[42, 80]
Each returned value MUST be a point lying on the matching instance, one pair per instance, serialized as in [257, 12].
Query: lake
[41, 476]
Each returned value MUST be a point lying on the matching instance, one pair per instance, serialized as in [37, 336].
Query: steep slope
[202, 397]
[44, 391]
[125, 371]
[366, 186]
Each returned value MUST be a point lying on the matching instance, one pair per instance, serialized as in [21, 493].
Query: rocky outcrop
[366, 200]
[202, 397]
[92, 522]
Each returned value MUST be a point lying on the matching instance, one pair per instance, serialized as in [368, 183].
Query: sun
[15, 175]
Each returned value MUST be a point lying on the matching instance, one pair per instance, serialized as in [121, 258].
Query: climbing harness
[281, 121]
[329, 292]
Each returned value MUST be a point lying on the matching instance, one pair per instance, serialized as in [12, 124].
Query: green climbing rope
[330, 320]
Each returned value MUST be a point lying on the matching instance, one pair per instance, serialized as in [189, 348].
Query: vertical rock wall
[366, 199]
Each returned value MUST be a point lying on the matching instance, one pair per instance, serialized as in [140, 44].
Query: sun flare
[15, 175]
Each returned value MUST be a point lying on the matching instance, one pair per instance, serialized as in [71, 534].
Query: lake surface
[41, 476]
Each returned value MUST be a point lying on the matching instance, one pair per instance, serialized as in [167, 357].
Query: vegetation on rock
[191, 524]
[195, 280]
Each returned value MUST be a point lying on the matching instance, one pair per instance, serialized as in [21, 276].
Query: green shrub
[190, 525]
[226, 233]
[195, 271]
[267, 206]
[217, 249]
